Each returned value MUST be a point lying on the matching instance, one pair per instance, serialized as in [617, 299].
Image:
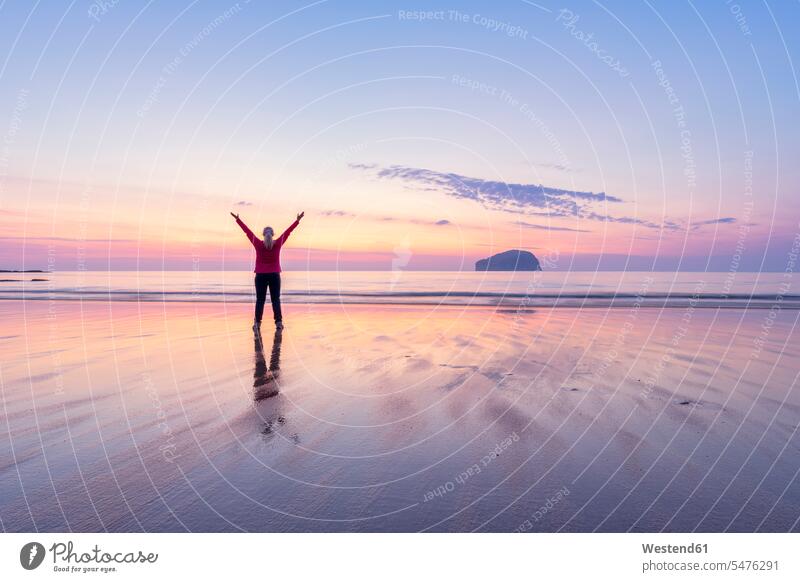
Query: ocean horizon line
[190, 270]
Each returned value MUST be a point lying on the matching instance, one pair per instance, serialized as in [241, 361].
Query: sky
[608, 136]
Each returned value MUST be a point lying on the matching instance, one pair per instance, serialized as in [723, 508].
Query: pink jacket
[267, 260]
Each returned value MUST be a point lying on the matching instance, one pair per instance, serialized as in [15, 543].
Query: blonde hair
[268, 234]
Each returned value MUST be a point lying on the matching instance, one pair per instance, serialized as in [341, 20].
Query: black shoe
[278, 325]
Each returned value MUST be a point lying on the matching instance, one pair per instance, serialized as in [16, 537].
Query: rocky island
[513, 260]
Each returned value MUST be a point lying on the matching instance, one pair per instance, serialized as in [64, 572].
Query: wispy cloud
[498, 195]
[560, 167]
[336, 213]
[442, 222]
[384, 218]
[243, 203]
[524, 224]
[528, 199]
[701, 223]
[667, 224]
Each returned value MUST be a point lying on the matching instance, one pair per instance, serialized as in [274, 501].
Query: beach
[130, 416]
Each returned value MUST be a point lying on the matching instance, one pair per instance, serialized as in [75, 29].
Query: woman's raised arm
[289, 230]
[253, 238]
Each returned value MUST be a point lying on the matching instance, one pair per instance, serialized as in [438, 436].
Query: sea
[503, 289]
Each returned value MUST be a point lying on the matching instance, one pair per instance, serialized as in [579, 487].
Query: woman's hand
[301, 215]
[236, 216]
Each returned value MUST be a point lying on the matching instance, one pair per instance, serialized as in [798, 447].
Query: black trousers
[271, 281]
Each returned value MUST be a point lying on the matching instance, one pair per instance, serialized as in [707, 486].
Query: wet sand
[121, 416]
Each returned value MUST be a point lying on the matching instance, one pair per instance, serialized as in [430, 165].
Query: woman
[268, 268]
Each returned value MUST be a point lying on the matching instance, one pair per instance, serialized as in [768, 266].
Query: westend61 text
[672, 549]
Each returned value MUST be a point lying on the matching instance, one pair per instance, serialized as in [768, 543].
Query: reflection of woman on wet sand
[265, 378]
